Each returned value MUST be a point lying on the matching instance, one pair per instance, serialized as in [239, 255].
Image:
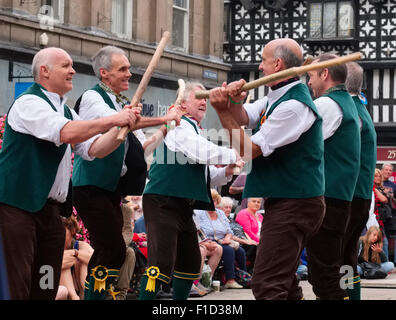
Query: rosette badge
[100, 274]
[152, 274]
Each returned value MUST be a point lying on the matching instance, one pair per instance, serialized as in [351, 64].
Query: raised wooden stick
[291, 72]
[180, 96]
[146, 79]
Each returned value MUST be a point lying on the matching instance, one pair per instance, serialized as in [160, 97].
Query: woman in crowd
[240, 235]
[370, 250]
[250, 219]
[76, 256]
[216, 227]
[382, 209]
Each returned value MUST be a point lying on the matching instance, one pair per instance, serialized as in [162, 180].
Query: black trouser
[250, 250]
[325, 251]
[287, 226]
[360, 209]
[33, 248]
[100, 211]
[172, 235]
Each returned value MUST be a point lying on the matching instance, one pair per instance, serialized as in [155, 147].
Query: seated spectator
[135, 202]
[240, 235]
[250, 219]
[128, 221]
[210, 250]
[370, 250]
[382, 209]
[140, 236]
[139, 225]
[141, 241]
[216, 227]
[76, 256]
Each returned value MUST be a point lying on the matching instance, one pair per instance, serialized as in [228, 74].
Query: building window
[53, 9]
[227, 21]
[180, 24]
[331, 19]
[121, 18]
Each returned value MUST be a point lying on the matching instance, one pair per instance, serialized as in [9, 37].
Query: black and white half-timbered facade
[337, 26]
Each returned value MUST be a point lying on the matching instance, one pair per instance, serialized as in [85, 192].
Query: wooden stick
[145, 80]
[180, 96]
[238, 170]
[288, 73]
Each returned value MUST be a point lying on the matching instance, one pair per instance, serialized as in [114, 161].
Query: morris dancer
[361, 201]
[35, 166]
[98, 185]
[179, 182]
[341, 136]
[287, 152]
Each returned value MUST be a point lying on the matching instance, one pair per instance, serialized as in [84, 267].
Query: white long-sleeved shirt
[93, 107]
[286, 124]
[184, 139]
[331, 114]
[32, 115]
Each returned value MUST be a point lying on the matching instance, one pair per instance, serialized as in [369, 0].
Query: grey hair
[103, 59]
[226, 201]
[189, 87]
[387, 165]
[354, 81]
[288, 56]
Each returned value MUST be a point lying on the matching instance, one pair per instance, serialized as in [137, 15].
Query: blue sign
[212, 75]
[21, 87]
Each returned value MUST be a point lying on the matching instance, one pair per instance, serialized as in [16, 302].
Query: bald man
[287, 152]
[35, 167]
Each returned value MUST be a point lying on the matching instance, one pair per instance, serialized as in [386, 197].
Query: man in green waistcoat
[361, 201]
[287, 167]
[97, 184]
[179, 181]
[341, 134]
[35, 167]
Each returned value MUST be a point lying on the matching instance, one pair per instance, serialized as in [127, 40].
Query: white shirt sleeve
[93, 107]
[40, 121]
[372, 220]
[82, 149]
[140, 135]
[254, 111]
[331, 114]
[285, 125]
[184, 139]
[218, 177]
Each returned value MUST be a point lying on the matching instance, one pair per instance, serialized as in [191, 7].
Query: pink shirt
[249, 223]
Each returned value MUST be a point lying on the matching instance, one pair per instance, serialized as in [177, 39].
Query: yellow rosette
[152, 274]
[100, 274]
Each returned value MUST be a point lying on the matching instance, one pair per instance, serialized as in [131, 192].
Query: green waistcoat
[342, 149]
[103, 173]
[294, 170]
[368, 153]
[28, 165]
[173, 174]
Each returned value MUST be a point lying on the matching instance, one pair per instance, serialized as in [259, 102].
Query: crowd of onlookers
[228, 237]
